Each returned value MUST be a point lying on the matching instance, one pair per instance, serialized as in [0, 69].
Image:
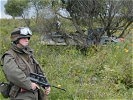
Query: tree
[38, 5]
[112, 15]
[83, 14]
[127, 14]
[15, 8]
[116, 15]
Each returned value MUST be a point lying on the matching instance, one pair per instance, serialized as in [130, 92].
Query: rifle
[41, 80]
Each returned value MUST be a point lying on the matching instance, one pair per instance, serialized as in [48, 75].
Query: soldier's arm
[14, 74]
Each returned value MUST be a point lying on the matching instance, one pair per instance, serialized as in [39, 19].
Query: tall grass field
[105, 74]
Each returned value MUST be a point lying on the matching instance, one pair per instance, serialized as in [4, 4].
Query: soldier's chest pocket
[23, 66]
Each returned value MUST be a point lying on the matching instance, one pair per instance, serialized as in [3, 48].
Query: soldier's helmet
[21, 32]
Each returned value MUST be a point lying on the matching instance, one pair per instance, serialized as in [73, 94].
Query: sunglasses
[25, 31]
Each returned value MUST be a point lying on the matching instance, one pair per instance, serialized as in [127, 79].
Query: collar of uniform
[21, 49]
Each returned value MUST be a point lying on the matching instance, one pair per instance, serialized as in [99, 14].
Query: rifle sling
[26, 63]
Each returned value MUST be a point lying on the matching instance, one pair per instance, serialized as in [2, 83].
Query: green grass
[105, 74]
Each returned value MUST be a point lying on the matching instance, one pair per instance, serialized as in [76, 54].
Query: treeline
[112, 15]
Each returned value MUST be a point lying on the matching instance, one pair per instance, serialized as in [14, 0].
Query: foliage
[112, 15]
[81, 9]
[115, 16]
[103, 74]
[16, 8]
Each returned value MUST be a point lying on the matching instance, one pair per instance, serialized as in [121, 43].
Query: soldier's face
[24, 41]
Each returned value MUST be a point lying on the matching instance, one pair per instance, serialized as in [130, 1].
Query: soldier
[58, 25]
[18, 62]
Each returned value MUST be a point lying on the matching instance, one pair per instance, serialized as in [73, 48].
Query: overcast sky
[2, 12]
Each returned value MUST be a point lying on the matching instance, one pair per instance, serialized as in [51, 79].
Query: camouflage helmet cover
[21, 32]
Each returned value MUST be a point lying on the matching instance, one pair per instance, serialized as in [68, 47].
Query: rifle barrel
[58, 88]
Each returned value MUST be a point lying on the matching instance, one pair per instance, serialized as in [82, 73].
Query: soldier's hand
[34, 86]
[47, 90]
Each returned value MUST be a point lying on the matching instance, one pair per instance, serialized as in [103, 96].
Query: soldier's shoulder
[9, 52]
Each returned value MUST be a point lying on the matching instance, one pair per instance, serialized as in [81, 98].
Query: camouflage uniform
[17, 72]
